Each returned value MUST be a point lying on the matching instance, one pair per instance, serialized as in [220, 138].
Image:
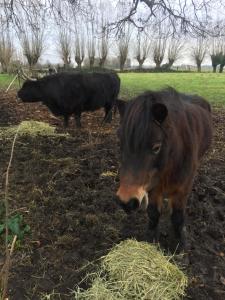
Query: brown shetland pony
[163, 136]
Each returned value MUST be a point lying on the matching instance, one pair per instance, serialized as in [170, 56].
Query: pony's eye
[156, 148]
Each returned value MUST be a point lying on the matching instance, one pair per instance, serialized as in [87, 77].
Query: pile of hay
[135, 270]
[32, 128]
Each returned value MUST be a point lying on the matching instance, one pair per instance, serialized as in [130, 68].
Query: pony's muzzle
[130, 206]
[138, 198]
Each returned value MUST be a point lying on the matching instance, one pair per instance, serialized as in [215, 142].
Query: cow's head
[30, 91]
[142, 135]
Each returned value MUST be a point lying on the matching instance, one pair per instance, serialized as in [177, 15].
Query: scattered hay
[109, 174]
[136, 270]
[31, 128]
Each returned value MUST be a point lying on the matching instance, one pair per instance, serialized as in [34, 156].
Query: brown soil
[65, 187]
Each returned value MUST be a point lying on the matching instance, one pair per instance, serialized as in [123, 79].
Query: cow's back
[103, 82]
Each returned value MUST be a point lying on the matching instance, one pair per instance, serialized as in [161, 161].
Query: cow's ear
[121, 105]
[159, 112]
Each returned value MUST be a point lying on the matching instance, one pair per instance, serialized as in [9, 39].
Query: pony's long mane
[137, 122]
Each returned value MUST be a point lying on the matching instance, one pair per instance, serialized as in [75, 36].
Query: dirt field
[65, 186]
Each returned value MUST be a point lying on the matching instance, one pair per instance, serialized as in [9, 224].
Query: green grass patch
[211, 86]
[135, 270]
[6, 79]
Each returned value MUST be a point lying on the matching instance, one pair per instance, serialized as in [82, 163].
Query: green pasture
[209, 85]
[6, 79]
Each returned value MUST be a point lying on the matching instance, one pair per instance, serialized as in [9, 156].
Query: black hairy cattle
[67, 94]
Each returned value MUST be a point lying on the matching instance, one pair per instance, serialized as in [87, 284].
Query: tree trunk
[4, 68]
[102, 62]
[221, 68]
[140, 61]
[121, 67]
[157, 65]
[140, 65]
[199, 68]
[214, 68]
[122, 63]
[78, 61]
[91, 61]
[171, 62]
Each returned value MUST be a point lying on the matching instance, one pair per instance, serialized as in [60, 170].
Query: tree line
[83, 33]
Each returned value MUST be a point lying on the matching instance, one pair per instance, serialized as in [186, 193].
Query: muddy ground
[64, 186]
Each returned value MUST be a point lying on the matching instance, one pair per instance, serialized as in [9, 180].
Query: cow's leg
[154, 211]
[77, 116]
[108, 113]
[66, 121]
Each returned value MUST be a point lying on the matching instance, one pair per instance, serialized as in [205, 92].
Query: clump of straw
[31, 128]
[136, 270]
[35, 128]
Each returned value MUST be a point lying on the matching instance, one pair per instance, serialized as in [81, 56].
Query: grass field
[6, 79]
[209, 85]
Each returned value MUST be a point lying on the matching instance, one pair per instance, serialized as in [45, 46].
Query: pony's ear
[159, 112]
[121, 106]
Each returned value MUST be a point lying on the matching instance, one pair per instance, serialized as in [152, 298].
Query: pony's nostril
[133, 203]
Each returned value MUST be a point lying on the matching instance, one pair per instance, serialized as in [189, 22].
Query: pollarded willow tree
[91, 45]
[78, 30]
[198, 52]
[158, 51]
[123, 44]
[64, 46]
[222, 57]
[33, 45]
[79, 51]
[174, 51]
[103, 47]
[215, 52]
[142, 48]
[31, 34]
[103, 13]
[160, 34]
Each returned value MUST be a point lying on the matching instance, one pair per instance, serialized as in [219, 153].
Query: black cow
[73, 93]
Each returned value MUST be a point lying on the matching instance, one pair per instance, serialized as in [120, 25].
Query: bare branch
[187, 16]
